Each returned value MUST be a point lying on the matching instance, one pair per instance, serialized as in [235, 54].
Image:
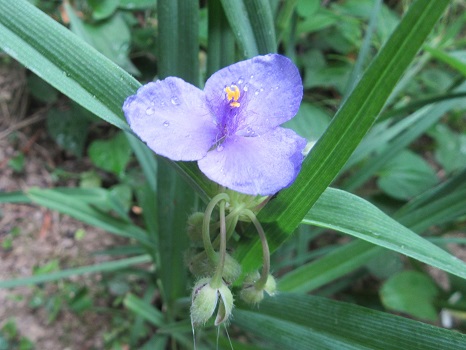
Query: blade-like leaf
[339, 262]
[348, 213]
[261, 19]
[283, 214]
[144, 309]
[293, 321]
[84, 209]
[175, 201]
[54, 276]
[237, 16]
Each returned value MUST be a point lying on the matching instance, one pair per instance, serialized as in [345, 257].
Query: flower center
[233, 94]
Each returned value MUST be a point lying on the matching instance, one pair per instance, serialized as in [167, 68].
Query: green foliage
[385, 125]
[411, 292]
[111, 155]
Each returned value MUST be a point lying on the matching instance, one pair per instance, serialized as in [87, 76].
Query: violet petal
[256, 165]
[171, 116]
[270, 88]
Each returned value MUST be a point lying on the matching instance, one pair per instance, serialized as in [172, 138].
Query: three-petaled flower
[232, 128]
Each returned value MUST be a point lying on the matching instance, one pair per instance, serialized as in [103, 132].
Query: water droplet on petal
[150, 110]
[175, 101]
[256, 93]
[262, 89]
[245, 88]
[219, 148]
[252, 76]
[240, 81]
[166, 123]
[276, 87]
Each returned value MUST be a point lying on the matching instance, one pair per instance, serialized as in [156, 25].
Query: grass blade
[55, 276]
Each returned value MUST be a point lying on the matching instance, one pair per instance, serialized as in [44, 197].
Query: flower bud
[201, 266]
[194, 227]
[226, 305]
[251, 295]
[204, 302]
[270, 286]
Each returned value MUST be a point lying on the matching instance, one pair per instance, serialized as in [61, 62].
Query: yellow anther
[233, 93]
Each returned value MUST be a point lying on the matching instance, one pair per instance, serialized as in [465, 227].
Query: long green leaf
[221, 45]
[175, 201]
[237, 16]
[431, 208]
[449, 59]
[55, 276]
[293, 321]
[283, 214]
[143, 309]
[345, 212]
[70, 203]
[339, 262]
[261, 18]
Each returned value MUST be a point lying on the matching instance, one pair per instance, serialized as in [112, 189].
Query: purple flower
[231, 128]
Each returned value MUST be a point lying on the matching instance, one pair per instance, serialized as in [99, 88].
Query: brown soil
[43, 235]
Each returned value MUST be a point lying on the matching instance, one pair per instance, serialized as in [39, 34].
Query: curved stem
[209, 249]
[216, 280]
[260, 284]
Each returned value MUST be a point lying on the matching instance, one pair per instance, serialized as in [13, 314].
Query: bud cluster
[217, 270]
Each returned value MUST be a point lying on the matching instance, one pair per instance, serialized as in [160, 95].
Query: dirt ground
[41, 235]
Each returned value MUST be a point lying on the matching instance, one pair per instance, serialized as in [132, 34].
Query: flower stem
[216, 280]
[260, 284]
[209, 249]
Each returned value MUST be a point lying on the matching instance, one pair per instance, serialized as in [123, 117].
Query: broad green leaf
[54, 276]
[294, 321]
[110, 37]
[307, 8]
[451, 148]
[406, 176]
[411, 292]
[111, 155]
[282, 215]
[102, 9]
[350, 214]
[69, 129]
